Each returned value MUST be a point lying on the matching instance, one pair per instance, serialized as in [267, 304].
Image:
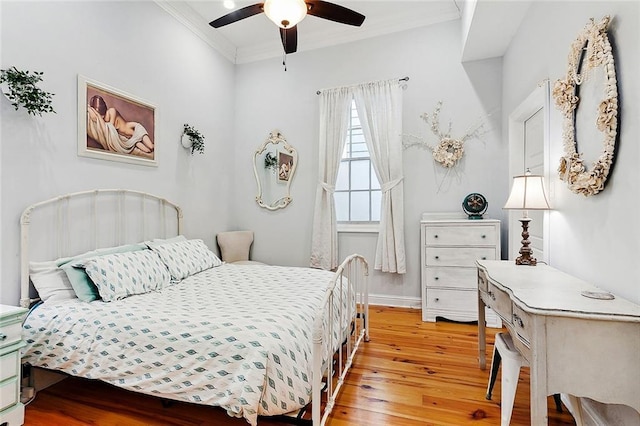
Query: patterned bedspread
[234, 336]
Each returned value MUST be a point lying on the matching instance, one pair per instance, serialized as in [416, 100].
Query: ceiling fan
[286, 14]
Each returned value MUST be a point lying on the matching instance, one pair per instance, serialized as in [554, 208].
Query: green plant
[23, 91]
[270, 161]
[197, 139]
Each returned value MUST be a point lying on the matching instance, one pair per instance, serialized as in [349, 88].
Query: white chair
[235, 247]
[504, 350]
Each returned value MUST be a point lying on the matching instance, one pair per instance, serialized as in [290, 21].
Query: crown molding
[185, 14]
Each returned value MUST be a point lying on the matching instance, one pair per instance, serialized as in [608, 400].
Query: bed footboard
[345, 307]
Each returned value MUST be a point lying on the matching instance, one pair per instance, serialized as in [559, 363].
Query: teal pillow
[82, 285]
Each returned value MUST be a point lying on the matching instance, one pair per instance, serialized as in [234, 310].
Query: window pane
[375, 184]
[360, 206]
[376, 202]
[342, 183]
[342, 206]
[360, 174]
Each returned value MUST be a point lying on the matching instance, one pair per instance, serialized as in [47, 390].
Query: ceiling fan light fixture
[285, 13]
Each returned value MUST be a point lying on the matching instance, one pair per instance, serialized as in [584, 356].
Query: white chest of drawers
[450, 244]
[11, 409]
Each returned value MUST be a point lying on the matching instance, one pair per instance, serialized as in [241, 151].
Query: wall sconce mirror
[274, 165]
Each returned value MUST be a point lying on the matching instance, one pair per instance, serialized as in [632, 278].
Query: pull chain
[284, 56]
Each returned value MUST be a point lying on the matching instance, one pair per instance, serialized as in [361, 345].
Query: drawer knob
[437, 299]
[484, 236]
[518, 320]
[435, 236]
[437, 257]
[3, 337]
[484, 257]
[437, 278]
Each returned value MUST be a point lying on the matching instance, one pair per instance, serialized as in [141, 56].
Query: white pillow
[50, 281]
[186, 258]
[120, 275]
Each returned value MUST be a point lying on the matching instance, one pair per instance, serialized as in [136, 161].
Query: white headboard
[75, 223]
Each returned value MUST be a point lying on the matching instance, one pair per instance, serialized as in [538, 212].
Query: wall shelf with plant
[192, 138]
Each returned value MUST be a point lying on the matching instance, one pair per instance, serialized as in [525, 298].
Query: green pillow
[82, 285]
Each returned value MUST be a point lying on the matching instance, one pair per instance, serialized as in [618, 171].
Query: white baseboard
[395, 301]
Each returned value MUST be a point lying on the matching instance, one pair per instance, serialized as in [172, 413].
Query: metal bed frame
[81, 221]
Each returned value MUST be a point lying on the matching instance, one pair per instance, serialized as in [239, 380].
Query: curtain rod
[400, 79]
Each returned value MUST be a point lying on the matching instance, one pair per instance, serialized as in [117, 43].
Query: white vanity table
[574, 344]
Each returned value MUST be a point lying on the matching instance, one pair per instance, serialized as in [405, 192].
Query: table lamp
[527, 193]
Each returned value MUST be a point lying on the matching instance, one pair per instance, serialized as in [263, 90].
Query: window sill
[358, 227]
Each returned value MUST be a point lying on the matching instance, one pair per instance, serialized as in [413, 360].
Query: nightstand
[450, 246]
[11, 409]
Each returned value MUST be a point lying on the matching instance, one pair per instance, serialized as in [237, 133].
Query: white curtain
[335, 106]
[379, 107]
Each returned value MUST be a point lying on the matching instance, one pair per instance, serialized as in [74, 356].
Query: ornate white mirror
[274, 165]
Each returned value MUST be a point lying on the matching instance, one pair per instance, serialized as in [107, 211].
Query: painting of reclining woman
[118, 126]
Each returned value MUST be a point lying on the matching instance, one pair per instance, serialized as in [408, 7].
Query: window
[357, 194]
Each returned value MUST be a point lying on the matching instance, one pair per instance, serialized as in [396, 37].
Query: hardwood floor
[410, 373]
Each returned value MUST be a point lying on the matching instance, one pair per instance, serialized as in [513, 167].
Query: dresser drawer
[448, 277]
[9, 393]
[457, 256]
[461, 235]
[457, 305]
[10, 331]
[9, 365]
[522, 323]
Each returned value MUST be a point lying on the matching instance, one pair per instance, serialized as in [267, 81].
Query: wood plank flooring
[410, 373]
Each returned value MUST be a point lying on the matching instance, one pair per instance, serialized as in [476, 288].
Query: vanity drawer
[500, 302]
[457, 256]
[522, 323]
[447, 277]
[483, 282]
[461, 235]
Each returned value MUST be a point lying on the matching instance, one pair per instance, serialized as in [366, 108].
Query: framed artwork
[114, 125]
[285, 164]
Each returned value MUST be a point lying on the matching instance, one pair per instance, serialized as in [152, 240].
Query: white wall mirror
[274, 165]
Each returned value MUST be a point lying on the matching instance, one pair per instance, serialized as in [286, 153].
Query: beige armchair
[235, 247]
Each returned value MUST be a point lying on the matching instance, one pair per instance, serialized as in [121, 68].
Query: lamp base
[525, 257]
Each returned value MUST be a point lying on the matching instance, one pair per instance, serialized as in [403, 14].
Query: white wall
[594, 238]
[140, 49]
[269, 98]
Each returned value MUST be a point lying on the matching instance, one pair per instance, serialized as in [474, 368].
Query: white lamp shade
[527, 193]
[285, 13]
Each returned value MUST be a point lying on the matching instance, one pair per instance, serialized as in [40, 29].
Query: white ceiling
[257, 38]
[489, 24]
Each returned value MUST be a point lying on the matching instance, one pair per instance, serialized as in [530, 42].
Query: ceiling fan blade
[289, 39]
[334, 12]
[237, 15]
